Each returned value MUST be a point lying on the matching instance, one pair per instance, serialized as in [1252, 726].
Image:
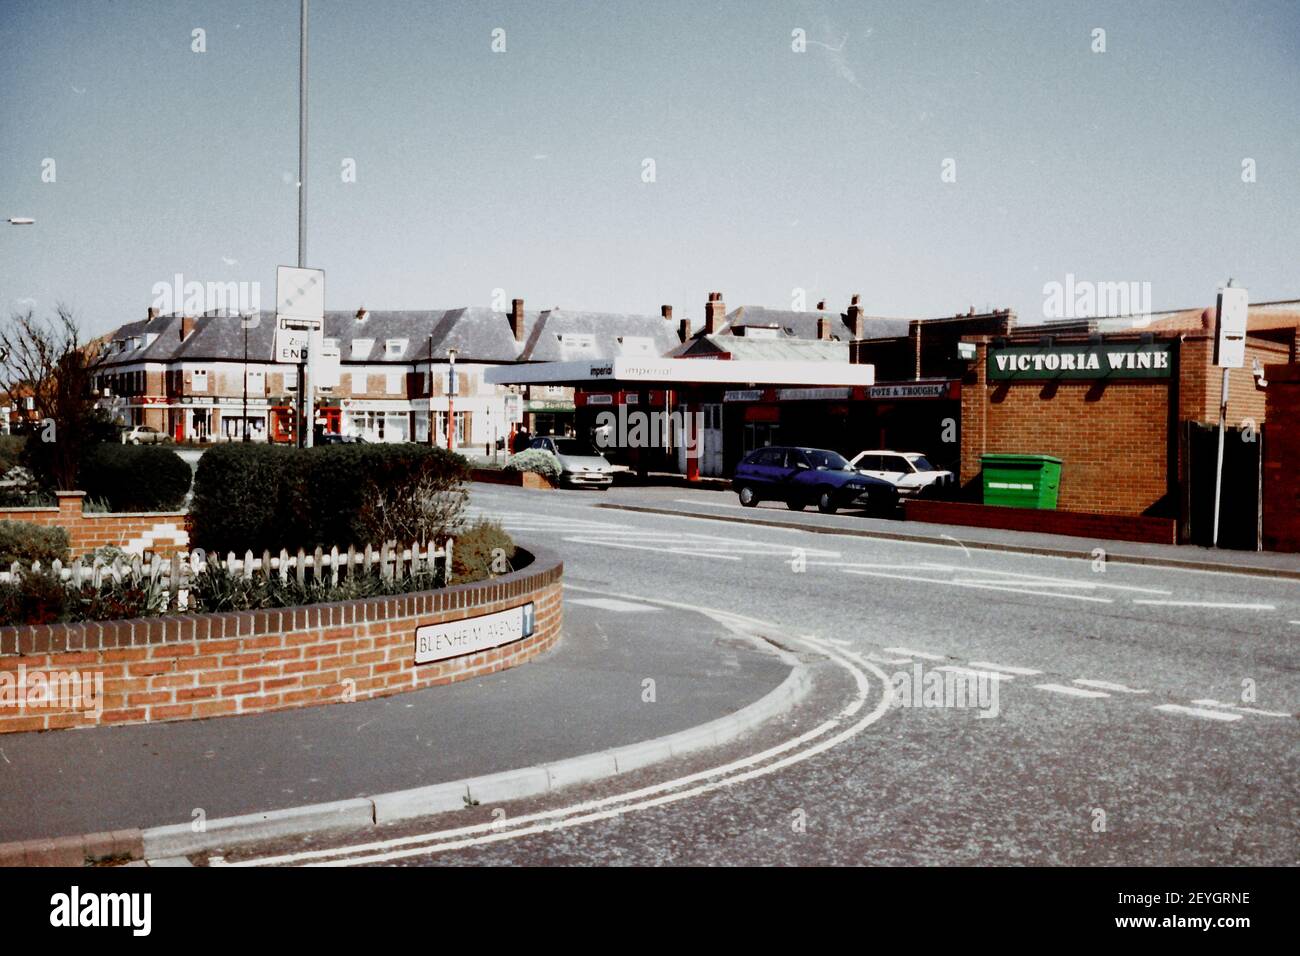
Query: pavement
[1145, 713]
[585, 696]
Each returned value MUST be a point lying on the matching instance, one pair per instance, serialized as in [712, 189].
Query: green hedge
[27, 542]
[268, 497]
[135, 477]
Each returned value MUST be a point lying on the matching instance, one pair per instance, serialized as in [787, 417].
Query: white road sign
[436, 642]
[1230, 328]
[300, 295]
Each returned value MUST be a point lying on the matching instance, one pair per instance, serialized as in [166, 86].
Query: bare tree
[46, 361]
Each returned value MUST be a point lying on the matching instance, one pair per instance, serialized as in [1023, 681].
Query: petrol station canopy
[633, 373]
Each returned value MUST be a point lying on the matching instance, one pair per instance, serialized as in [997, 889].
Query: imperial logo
[598, 370]
[103, 909]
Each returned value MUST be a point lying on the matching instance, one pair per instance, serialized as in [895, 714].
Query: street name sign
[437, 642]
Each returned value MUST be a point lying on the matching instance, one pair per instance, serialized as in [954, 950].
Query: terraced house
[211, 377]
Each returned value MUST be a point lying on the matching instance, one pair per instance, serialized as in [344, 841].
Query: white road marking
[888, 660]
[562, 818]
[1071, 691]
[972, 672]
[1197, 712]
[1020, 671]
[1245, 710]
[924, 655]
[987, 587]
[1219, 604]
[610, 604]
[638, 547]
[1107, 685]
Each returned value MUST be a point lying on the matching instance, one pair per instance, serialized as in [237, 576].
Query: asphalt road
[1143, 715]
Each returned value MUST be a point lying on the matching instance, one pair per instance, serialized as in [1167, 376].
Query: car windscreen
[575, 447]
[921, 463]
[828, 460]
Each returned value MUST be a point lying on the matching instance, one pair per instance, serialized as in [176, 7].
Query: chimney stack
[667, 312]
[823, 329]
[857, 323]
[517, 319]
[187, 327]
[153, 314]
[715, 314]
[684, 329]
[362, 314]
[821, 305]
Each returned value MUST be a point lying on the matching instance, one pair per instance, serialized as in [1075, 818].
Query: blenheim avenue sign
[437, 642]
[1079, 361]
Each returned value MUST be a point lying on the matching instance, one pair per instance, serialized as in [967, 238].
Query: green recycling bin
[1021, 481]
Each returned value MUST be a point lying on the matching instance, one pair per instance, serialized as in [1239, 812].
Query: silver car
[144, 435]
[581, 465]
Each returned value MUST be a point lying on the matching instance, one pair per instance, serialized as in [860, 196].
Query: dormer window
[580, 344]
[393, 348]
[361, 348]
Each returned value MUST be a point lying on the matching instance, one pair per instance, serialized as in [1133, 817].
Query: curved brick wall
[208, 665]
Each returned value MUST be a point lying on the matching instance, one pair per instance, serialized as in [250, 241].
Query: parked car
[143, 435]
[334, 438]
[911, 473]
[581, 465]
[804, 476]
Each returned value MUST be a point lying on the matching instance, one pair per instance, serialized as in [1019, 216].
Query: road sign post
[299, 331]
[1229, 353]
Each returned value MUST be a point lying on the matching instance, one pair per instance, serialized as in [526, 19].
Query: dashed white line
[987, 587]
[1205, 702]
[1197, 712]
[1019, 671]
[924, 655]
[1108, 685]
[1228, 605]
[972, 672]
[1070, 691]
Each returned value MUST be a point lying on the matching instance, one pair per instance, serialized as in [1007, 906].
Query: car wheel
[826, 504]
[135, 441]
[796, 504]
[747, 496]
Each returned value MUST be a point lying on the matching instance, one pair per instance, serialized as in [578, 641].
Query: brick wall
[1104, 527]
[181, 667]
[1282, 459]
[160, 532]
[1112, 439]
[1201, 383]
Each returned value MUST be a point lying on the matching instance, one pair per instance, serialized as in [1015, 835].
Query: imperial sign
[1082, 360]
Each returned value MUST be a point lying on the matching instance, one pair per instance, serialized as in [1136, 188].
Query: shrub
[35, 598]
[11, 446]
[537, 460]
[271, 497]
[135, 477]
[481, 550]
[26, 542]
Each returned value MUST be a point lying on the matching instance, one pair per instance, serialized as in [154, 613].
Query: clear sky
[774, 169]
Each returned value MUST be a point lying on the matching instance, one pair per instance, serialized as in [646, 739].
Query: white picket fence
[391, 561]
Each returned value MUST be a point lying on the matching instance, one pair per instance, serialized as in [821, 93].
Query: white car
[908, 471]
[580, 464]
[144, 435]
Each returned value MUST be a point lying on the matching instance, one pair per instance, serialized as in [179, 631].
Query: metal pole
[1218, 471]
[432, 416]
[451, 400]
[307, 384]
[245, 324]
[302, 138]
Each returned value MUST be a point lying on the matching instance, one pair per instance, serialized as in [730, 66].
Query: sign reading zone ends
[437, 642]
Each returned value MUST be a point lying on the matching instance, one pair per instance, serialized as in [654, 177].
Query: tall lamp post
[451, 400]
[245, 325]
[433, 417]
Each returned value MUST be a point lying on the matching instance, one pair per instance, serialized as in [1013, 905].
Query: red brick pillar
[70, 516]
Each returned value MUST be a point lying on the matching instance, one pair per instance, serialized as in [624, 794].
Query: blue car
[805, 476]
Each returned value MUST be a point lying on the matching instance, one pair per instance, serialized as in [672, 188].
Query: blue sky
[775, 170]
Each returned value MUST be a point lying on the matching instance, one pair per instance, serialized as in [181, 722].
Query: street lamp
[245, 325]
[451, 396]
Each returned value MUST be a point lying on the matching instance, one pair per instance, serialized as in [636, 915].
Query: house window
[393, 348]
[199, 380]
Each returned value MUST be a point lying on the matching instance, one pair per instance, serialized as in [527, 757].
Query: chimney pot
[857, 321]
[856, 299]
[153, 314]
[823, 329]
[361, 314]
[667, 312]
[821, 305]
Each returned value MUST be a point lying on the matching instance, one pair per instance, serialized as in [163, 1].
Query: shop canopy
[643, 373]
